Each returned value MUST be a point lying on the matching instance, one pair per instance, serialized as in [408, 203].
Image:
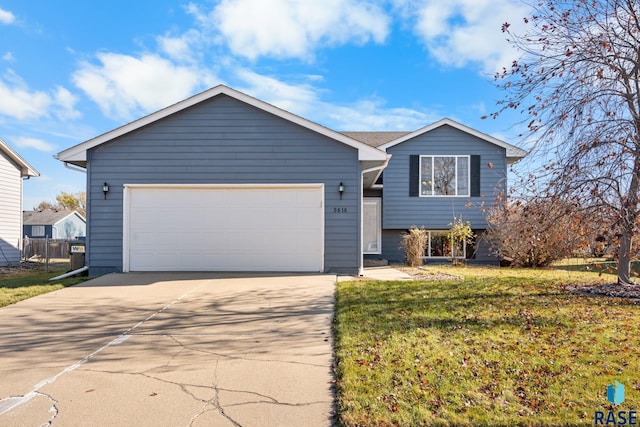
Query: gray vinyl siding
[10, 211]
[391, 248]
[484, 251]
[222, 141]
[400, 211]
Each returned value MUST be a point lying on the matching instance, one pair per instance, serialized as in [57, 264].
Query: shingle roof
[46, 217]
[375, 139]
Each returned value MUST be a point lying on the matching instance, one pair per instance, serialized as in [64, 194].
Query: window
[37, 230]
[439, 245]
[444, 175]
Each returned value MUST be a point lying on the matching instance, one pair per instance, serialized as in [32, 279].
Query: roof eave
[26, 170]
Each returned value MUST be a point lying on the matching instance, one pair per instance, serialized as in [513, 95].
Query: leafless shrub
[414, 243]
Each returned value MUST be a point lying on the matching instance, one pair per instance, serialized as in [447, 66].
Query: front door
[372, 225]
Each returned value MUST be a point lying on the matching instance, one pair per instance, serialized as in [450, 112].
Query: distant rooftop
[45, 217]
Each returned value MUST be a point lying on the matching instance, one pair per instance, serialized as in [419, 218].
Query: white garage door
[224, 228]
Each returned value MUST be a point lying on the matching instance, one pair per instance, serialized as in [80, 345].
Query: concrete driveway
[171, 349]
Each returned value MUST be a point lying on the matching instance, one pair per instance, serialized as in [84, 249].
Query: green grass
[20, 285]
[502, 347]
[597, 265]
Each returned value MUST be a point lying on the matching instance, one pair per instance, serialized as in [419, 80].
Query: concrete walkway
[172, 349]
[385, 273]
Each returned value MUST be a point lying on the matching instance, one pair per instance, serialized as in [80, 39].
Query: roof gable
[513, 153]
[78, 154]
[26, 170]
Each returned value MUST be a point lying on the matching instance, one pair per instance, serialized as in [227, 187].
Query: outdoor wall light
[105, 190]
[341, 190]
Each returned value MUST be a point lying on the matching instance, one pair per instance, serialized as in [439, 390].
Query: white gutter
[381, 167]
[74, 168]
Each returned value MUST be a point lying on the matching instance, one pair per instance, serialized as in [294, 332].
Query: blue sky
[72, 70]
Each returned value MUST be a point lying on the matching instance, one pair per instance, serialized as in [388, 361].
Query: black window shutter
[414, 176]
[475, 176]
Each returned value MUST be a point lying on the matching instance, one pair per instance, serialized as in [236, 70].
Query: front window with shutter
[444, 176]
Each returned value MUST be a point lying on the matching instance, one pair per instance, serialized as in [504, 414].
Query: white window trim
[433, 156]
[450, 256]
[38, 227]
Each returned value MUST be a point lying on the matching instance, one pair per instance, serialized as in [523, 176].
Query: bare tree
[577, 84]
[75, 202]
[539, 231]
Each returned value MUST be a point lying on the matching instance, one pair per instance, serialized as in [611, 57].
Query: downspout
[381, 167]
[71, 273]
[86, 267]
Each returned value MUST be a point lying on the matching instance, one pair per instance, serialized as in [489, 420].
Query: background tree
[577, 83]
[76, 202]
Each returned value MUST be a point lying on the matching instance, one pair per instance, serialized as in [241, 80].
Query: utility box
[76, 254]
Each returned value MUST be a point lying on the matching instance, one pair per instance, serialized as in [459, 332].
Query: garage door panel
[242, 228]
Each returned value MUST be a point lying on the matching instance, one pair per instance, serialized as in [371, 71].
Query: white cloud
[294, 28]
[19, 102]
[38, 144]
[297, 99]
[181, 48]
[65, 102]
[124, 86]
[8, 57]
[6, 17]
[306, 100]
[372, 114]
[459, 32]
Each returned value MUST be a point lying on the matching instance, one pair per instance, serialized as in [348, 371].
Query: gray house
[60, 224]
[13, 169]
[223, 181]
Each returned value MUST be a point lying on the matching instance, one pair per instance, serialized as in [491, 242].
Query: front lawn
[501, 347]
[19, 284]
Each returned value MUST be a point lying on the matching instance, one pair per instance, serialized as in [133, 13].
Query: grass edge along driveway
[500, 347]
[17, 285]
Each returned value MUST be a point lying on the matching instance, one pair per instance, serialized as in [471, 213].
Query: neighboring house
[62, 224]
[13, 169]
[224, 181]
